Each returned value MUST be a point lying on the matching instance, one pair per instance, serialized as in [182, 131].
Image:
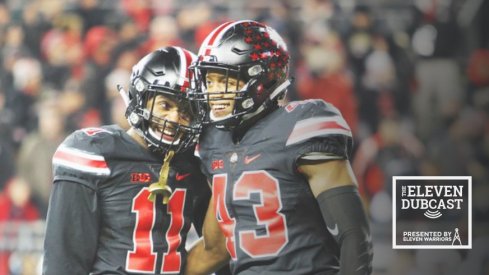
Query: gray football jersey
[100, 220]
[264, 205]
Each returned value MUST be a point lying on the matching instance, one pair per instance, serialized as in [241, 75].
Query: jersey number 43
[266, 212]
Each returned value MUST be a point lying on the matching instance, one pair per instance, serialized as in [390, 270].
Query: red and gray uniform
[265, 207]
[100, 220]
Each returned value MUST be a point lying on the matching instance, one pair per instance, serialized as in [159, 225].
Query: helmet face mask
[254, 57]
[225, 94]
[159, 107]
[161, 130]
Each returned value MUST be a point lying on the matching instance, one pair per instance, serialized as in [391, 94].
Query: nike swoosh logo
[180, 177]
[248, 160]
[334, 231]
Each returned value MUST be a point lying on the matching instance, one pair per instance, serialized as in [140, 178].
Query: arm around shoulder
[209, 253]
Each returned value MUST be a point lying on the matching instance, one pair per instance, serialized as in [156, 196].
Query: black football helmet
[162, 72]
[252, 52]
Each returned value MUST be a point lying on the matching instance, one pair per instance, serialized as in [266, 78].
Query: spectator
[129, 37]
[7, 165]
[92, 14]
[73, 107]
[218, 16]
[12, 48]
[62, 50]
[162, 37]
[442, 262]
[358, 40]
[27, 87]
[378, 84]
[140, 12]
[4, 19]
[16, 207]
[439, 94]
[453, 152]
[98, 49]
[120, 75]
[391, 151]
[34, 26]
[37, 150]
[323, 76]
[193, 18]
[15, 202]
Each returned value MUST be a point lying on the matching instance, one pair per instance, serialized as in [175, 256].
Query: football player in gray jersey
[123, 201]
[284, 198]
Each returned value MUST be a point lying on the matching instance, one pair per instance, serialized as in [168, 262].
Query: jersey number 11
[143, 258]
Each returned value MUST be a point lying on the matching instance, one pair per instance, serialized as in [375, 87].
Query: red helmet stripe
[188, 60]
[215, 34]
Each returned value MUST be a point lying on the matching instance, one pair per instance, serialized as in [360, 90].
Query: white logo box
[439, 178]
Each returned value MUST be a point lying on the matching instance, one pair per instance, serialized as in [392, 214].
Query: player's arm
[72, 229]
[334, 186]
[200, 202]
[209, 253]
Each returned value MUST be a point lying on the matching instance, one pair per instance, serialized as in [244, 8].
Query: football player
[284, 198]
[116, 207]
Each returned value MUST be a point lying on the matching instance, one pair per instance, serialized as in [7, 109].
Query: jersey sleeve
[320, 132]
[80, 158]
[72, 224]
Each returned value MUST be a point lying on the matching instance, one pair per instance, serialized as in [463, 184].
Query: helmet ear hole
[247, 103]
[255, 70]
[139, 85]
[134, 119]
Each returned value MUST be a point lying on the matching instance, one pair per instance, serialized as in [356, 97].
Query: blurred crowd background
[411, 77]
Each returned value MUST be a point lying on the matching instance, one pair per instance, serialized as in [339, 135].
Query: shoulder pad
[315, 118]
[85, 152]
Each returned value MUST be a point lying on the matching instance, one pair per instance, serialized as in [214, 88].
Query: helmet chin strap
[280, 88]
[249, 119]
[124, 95]
[276, 92]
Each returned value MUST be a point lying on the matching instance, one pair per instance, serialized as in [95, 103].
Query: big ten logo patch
[432, 212]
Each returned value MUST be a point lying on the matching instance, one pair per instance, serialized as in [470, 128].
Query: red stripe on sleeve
[300, 131]
[70, 157]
